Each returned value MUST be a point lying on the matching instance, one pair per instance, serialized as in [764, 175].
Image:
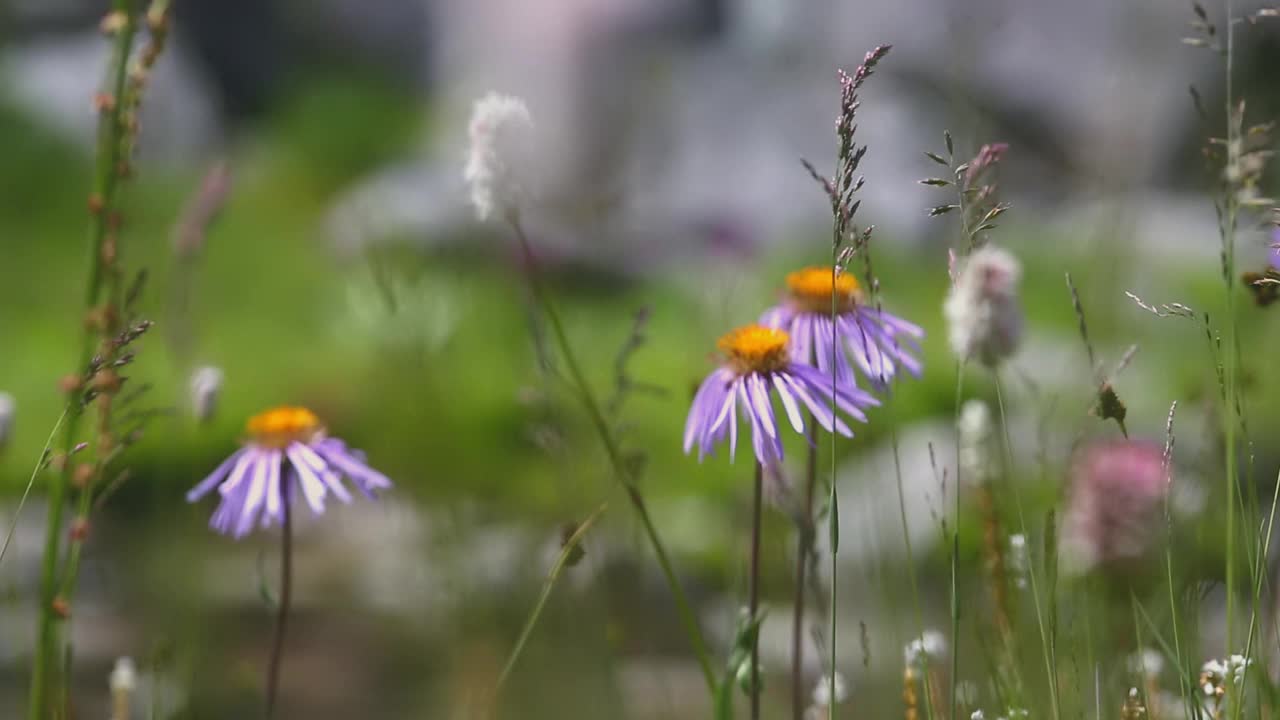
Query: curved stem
[547, 585]
[616, 460]
[286, 593]
[753, 587]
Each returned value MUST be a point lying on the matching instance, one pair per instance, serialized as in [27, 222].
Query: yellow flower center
[812, 288]
[279, 426]
[755, 348]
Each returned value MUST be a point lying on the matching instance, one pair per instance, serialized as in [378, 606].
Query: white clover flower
[931, 643]
[822, 691]
[205, 386]
[1147, 662]
[984, 317]
[498, 163]
[1019, 565]
[977, 715]
[975, 431]
[8, 407]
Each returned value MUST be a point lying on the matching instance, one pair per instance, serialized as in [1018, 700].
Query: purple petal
[351, 463]
[707, 394]
[214, 478]
[312, 487]
[789, 404]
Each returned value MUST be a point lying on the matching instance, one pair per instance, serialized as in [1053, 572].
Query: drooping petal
[709, 393]
[214, 478]
[275, 509]
[255, 493]
[351, 463]
[321, 468]
[788, 403]
[312, 487]
[821, 412]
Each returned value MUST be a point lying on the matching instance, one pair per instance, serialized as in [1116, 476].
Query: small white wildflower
[8, 406]
[205, 387]
[975, 432]
[123, 682]
[1236, 666]
[984, 318]
[1017, 714]
[1147, 662]
[498, 165]
[1213, 675]
[977, 715]
[931, 643]
[822, 691]
[1018, 563]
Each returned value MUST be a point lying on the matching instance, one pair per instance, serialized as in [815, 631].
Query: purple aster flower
[758, 366]
[287, 451]
[876, 341]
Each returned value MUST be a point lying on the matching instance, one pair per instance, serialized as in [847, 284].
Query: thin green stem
[548, 584]
[1046, 646]
[753, 585]
[804, 546]
[616, 460]
[955, 552]
[833, 507]
[286, 596]
[40, 465]
[1229, 361]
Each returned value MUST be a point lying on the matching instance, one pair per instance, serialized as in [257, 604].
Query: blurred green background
[421, 354]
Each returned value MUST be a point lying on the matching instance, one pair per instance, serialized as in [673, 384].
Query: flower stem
[804, 546]
[616, 460]
[753, 587]
[547, 585]
[286, 595]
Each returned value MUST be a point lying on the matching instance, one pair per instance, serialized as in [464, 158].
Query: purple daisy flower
[287, 451]
[759, 365]
[877, 341]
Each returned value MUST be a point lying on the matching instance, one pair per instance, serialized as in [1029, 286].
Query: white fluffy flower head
[1147, 662]
[984, 317]
[498, 162]
[931, 643]
[822, 691]
[205, 386]
[124, 676]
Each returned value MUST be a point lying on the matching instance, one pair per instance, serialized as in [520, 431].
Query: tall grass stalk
[622, 471]
[1227, 231]
[53, 608]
